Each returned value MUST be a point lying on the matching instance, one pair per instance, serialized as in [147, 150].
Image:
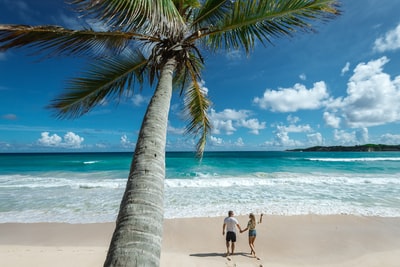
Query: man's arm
[223, 229]
[238, 226]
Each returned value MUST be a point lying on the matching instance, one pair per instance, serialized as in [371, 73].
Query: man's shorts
[231, 236]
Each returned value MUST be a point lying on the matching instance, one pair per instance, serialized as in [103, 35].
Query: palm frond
[146, 16]
[107, 78]
[196, 105]
[55, 40]
[184, 75]
[252, 20]
[210, 13]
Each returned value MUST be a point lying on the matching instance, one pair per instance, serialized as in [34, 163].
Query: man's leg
[227, 248]
[233, 247]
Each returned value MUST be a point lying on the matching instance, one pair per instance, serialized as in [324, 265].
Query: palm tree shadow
[210, 254]
[214, 254]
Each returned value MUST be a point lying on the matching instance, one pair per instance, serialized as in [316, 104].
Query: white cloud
[292, 119]
[282, 139]
[362, 135]
[139, 99]
[303, 77]
[50, 140]
[216, 141]
[229, 120]
[125, 142]
[331, 120]
[390, 139]
[220, 126]
[282, 135]
[346, 68]
[390, 41]
[253, 124]
[174, 130]
[372, 98]
[239, 142]
[222, 121]
[73, 140]
[344, 138]
[315, 139]
[293, 99]
[295, 128]
[70, 140]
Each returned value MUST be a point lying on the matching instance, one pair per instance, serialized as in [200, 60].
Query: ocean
[88, 187]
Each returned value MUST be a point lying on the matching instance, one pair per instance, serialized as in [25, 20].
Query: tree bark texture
[138, 234]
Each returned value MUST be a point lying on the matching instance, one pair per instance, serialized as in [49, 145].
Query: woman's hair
[253, 219]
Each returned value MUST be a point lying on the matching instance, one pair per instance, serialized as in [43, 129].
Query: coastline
[282, 241]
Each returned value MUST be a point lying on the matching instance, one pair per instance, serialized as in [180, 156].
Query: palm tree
[157, 41]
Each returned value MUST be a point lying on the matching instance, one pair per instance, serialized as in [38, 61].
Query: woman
[251, 226]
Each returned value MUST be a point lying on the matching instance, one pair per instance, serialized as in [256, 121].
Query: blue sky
[338, 86]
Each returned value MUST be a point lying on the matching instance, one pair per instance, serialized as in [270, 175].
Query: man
[230, 223]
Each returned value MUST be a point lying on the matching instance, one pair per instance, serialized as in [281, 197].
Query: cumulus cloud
[282, 137]
[293, 99]
[70, 140]
[216, 141]
[315, 139]
[253, 124]
[372, 98]
[331, 120]
[389, 42]
[344, 138]
[229, 120]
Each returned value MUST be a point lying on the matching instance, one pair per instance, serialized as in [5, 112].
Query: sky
[337, 86]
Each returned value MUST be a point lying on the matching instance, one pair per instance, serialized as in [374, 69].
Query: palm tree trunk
[138, 234]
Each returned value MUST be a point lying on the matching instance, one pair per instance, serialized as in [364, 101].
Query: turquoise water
[87, 187]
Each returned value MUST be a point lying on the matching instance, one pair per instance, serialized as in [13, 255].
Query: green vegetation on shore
[359, 148]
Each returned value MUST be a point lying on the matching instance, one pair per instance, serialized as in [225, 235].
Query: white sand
[282, 241]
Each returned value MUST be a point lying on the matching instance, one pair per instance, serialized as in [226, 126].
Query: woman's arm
[260, 221]
[244, 230]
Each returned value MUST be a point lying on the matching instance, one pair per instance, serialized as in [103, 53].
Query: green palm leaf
[146, 16]
[55, 40]
[210, 13]
[197, 104]
[252, 20]
[108, 78]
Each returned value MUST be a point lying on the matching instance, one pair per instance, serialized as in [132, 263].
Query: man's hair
[230, 213]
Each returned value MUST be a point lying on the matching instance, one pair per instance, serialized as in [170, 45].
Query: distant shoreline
[359, 148]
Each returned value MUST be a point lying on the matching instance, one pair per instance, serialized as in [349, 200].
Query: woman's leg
[251, 244]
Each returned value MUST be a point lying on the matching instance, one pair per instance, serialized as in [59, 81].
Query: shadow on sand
[213, 254]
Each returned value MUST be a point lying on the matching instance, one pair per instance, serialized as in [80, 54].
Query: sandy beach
[282, 241]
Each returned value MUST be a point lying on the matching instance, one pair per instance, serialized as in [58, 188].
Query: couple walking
[230, 223]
